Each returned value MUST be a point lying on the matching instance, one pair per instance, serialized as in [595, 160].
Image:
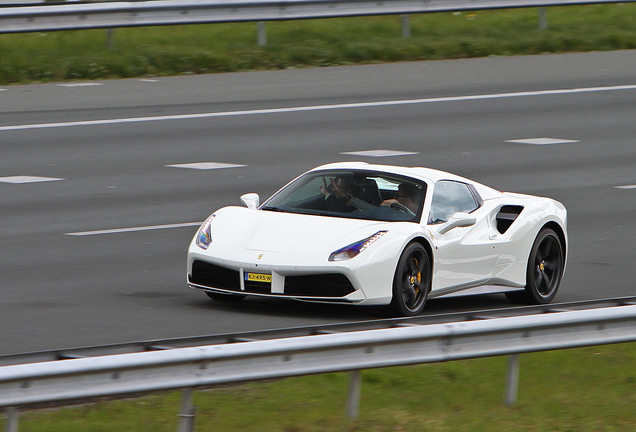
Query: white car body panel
[288, 244]
[281, 243]
[480, 255]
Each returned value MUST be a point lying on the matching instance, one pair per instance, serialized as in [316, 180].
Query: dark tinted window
[352, 194]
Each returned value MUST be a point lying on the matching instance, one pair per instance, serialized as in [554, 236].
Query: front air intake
[318, 285]
[215, 276]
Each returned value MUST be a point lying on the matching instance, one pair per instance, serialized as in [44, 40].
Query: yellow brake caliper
[417, 278]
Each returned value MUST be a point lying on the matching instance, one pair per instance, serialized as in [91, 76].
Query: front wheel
[544, 271]
[412, 281]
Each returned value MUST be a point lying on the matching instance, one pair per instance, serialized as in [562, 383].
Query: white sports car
[382, 235]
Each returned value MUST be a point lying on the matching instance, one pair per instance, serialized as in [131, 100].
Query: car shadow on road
[340, 312]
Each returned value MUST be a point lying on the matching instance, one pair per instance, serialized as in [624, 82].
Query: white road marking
[316, 108]
[134, 229]
[149, 80]
[3, 89]
[542, 141]
[82, 84]
[27, 179]
[379, 153]
[625, 187]
[206, 165]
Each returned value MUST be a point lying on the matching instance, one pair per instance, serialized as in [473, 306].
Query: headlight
[354, 249]
[204, 236]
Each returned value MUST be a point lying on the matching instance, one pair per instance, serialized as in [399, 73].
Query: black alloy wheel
[412, 281]
[544, 271]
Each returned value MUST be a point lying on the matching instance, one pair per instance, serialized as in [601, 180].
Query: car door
[459, 228]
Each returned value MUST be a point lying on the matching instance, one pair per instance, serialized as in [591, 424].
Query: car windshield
[352, 194]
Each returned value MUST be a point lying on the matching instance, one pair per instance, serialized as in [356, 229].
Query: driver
[344, 192]
[407, 195]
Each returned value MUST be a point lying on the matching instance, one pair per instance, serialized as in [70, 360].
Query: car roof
[417, 172]
[420, 173]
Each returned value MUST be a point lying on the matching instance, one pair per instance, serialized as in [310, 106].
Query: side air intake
[506, 216]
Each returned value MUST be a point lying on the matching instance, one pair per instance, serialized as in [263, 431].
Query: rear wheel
[412, 281]
[544, 271]
[224, 297]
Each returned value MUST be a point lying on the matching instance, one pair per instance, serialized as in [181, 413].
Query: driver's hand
[324, 189]
[387, 203]
[338, 191]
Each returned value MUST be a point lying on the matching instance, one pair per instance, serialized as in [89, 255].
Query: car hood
[268, 231]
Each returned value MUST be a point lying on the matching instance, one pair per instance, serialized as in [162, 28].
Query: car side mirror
[458, 220]
[250, 200]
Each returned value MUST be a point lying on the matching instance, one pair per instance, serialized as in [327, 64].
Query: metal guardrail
[76, 16]
[211, 365]
[372, 324]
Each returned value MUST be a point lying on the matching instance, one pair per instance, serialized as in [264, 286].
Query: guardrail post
[110, 39]
[188, 412]
[543, 20]
[512, 380]
[262, 36]
[13, 417]
[406, 27]
[353, 400]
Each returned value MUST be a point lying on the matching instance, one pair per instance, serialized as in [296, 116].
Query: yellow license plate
[258, 277]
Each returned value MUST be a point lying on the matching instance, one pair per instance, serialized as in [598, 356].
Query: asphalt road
[109, 147]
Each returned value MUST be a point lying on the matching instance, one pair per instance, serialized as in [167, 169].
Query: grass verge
[174, 50]
[583, 390]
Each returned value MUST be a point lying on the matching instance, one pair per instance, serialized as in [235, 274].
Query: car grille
[258, 287]
[215, 276]
[319, 285]
[330, 285]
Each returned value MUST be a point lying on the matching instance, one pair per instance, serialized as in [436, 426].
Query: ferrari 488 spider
[382, 235]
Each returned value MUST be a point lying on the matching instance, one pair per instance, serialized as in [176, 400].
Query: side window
[450, 197]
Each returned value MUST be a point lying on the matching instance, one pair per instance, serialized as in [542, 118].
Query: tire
[412, 282]
[544, 271]
[517, 297]
[224, 297]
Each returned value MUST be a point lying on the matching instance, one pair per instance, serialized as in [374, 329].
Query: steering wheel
[402, 208]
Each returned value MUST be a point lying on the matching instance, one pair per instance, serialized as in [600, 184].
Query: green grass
[580, 390]
[174, 50]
